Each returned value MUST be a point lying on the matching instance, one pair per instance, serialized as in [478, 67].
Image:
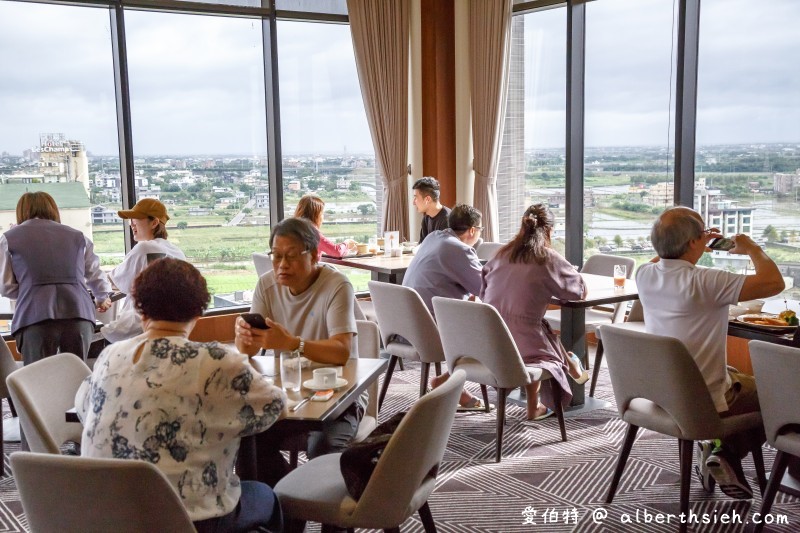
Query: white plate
[747, 319]
[310, 384]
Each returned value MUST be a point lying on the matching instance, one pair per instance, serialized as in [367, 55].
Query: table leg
[573, 337]
[395, 279]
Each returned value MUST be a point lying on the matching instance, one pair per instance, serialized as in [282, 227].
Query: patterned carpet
[551, 485]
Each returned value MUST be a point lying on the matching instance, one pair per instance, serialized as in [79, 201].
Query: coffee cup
[362, 248]
[325, 377]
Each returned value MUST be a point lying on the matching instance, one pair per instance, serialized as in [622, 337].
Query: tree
[618, 241]
[770, 233]
[366, 209]
[182, 224]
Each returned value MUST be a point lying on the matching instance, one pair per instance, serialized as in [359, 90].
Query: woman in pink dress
[312, 208]
[519, 282]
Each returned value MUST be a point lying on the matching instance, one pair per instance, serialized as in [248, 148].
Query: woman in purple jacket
[519, 282]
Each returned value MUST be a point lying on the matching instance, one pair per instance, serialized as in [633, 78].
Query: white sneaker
[704, 449]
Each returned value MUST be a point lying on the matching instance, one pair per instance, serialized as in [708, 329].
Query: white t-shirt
[136, 261]
[321, 311]
[691, 303]
[128, 322]
[184, 407]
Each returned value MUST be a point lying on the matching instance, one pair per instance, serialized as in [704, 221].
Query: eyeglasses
[291, 257]
[479, 228]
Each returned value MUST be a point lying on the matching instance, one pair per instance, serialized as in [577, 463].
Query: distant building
[199, 211]
[104, 215]
[785, 183]
[719, 212]
[660, 194]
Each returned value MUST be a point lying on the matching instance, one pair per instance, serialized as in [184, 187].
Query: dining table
[360, 373]
[386, 268]
[601, 291]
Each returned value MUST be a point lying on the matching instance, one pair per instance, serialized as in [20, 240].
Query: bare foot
[539, 411]
[438, 380]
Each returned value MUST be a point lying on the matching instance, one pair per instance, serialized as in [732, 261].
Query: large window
[57, 119]
[326, 144]
[199, 138]
[531, 167]
[628, 160]
[748, 128]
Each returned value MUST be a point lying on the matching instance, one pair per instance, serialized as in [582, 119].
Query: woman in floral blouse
[182, 405]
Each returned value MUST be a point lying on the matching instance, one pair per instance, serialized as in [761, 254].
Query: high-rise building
[511, 166]
[62, 160]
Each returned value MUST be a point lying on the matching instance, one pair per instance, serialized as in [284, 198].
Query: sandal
[584, 377]
[548, 413]
[473, 404]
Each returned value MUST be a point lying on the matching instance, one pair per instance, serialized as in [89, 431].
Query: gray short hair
[300, 229]
[673, 230]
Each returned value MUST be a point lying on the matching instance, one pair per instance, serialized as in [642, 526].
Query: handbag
[358, 461]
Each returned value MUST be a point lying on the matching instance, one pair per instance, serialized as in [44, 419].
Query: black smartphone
[255, 320]
[722, 243]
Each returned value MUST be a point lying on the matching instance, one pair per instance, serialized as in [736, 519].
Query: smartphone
[722, 243]
[255, 320]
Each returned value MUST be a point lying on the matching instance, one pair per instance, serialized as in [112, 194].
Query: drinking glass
[290, 370]
[372, 245]
[620, 273]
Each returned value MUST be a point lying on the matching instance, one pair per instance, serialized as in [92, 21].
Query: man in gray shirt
[446, 265]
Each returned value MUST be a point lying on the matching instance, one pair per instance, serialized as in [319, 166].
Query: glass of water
[290, 370]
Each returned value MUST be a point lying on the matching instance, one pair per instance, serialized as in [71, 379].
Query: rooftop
[70, 195]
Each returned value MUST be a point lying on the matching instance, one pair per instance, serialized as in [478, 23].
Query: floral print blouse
[182, 406]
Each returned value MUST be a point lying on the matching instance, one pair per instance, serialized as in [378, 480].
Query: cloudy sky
[197, 85]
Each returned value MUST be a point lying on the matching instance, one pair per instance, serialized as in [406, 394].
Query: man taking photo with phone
[690, 303]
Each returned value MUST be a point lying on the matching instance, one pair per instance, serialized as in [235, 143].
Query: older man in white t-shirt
[691, 303]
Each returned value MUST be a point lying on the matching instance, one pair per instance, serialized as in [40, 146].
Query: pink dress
[521, 293]
[328, 247]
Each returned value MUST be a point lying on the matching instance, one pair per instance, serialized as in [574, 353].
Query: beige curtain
[380, 30]
[490, 39]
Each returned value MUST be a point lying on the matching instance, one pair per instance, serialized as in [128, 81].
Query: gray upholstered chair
[369, 343]
[262, 262]
[477, 340]
[776, 370]
[487, 250]
[401, 482]
[7, 366]
[401, 311]
[42, 392]
[658, 386]
[125, 495]
[635, 321]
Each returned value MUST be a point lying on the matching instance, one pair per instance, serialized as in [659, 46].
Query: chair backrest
[42, 393]
[476, 330]
[401, 311]
[400, 481]
[603, 264]
[369, 346]
[7, 366]
[660, 369]
[262, 262]
[636, 314]
[776, 369]
[81, 494]
[487, 250]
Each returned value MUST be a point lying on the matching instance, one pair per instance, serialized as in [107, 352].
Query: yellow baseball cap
[146, 207]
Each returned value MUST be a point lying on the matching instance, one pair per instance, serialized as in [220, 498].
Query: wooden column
[438, 95]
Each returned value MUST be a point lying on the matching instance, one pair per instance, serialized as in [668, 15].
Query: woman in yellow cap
[148, 220]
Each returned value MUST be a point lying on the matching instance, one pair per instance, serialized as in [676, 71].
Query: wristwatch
[302, 347]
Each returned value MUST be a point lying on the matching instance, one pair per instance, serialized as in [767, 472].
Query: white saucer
[309, 384]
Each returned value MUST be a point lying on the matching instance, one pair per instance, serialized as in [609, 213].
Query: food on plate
[789, 317]
[764, 320]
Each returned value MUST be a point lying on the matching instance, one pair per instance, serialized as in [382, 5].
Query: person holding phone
[309, 307]
[690, 303]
